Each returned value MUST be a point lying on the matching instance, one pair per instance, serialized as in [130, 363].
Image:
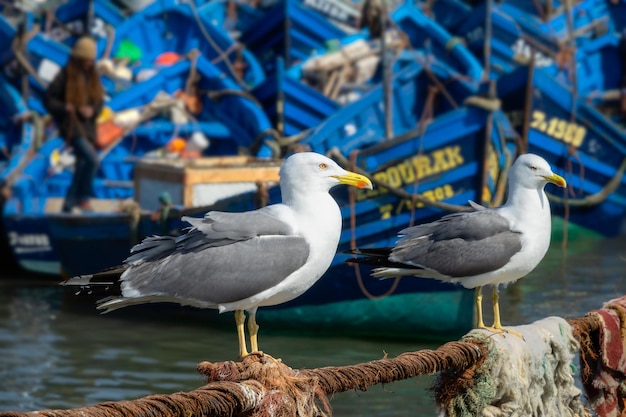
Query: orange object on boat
[167, 58]
[107, 133]
[176, 145]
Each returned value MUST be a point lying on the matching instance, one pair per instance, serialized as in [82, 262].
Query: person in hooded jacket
[74, 99]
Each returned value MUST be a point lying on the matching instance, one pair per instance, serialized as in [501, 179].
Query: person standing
[74, 99]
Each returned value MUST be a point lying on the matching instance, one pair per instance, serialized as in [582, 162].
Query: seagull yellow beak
[556, 180]
[354, 179]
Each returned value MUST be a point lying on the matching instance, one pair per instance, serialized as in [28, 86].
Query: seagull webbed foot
[501, 330]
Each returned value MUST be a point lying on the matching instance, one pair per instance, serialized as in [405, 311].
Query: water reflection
[570, 282]
[27, 344]
[57, 356]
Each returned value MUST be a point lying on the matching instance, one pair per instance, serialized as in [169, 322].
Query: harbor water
[58, 353]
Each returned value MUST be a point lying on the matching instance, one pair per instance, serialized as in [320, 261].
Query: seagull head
[533, 172]
[317, 172]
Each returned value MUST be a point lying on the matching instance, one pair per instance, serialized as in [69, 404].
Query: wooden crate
[200, 181]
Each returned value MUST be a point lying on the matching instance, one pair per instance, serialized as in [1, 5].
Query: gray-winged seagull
[240, 261]
[483, 247]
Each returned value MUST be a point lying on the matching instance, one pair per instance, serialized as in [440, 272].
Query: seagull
[239, 261]
[487, 246]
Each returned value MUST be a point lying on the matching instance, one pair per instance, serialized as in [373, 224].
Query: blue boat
[577, 140]
[420, 91]
[292, 106]
[295, 104]
[231, 123]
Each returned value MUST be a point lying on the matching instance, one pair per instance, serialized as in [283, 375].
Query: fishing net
[533, 376]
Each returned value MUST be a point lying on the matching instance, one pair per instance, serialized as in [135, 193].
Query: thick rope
[217, 399]
[452, 355]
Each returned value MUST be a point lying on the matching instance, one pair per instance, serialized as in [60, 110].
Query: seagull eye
[533, 168]
[322, 166]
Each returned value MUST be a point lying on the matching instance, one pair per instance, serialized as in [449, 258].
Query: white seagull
[489, 246]
[239, 261]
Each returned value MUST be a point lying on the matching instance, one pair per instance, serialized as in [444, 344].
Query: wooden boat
[300, 96]
[578, 141]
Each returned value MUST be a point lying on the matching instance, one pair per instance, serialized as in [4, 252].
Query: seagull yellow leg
[253, 329]
[495, 299]
[240, 319]
[496, 328]
[497, 325]
[478, 297]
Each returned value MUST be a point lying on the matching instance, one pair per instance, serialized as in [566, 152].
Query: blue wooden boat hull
[583, 146]
[30, 244]
[110, 234]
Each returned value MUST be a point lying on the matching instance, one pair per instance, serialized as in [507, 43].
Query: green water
[57, 353]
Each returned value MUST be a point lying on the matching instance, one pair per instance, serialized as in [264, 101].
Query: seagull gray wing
[220, 274]
[459, 244]
[222, 228]
[218, 259]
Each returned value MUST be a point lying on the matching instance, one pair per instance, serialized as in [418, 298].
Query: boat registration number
[559, 129]
[406, 204]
